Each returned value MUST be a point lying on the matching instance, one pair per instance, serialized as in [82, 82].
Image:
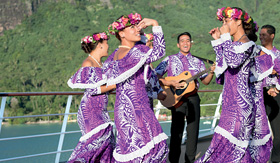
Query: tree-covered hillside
[42, 53]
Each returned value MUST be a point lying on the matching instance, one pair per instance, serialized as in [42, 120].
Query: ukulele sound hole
[181, 91]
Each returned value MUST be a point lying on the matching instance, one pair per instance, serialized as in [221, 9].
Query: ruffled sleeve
[221, 65]
[263, 65]
[158, 50]
[88, 78]
[229, 54]
[235, 55]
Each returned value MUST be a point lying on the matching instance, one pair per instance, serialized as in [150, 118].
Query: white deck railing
[62, 133]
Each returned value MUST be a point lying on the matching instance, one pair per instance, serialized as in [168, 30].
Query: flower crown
[124, 21]
[149, 36]
[96, 37]
[235, 13]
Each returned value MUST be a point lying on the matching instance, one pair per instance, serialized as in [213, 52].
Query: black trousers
[191, 110]
[272, 106]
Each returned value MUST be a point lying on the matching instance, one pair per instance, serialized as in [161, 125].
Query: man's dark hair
[185, 33]
[270, 29]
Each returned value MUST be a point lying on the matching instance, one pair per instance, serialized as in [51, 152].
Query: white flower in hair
[90, 39]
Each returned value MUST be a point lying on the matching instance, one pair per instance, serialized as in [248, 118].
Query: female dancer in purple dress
[139, 135]
[243, 133]
[97, 141]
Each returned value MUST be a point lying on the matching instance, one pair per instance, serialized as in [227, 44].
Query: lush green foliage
[42, 53]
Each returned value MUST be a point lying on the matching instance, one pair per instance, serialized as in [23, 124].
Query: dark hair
[185, 33]
[270, 29]
[88, 47]
[250, 31]
[118, 35]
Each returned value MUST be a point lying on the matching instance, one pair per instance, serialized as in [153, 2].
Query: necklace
[124, 46]
[95, 60]
[241, 37]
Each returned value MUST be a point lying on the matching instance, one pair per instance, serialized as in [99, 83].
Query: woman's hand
[273, 92]
[215, 33]
[105, 88]
[147, 22]
[224, 29]
[213, 67]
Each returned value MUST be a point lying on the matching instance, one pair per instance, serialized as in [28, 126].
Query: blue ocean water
[31, 146]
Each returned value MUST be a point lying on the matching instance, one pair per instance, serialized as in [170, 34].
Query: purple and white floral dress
[243, 133]
[140, 137]
[97, 141]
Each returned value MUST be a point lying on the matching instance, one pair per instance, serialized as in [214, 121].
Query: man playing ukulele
[174, 65]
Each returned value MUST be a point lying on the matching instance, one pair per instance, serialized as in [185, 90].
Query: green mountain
[43, 52]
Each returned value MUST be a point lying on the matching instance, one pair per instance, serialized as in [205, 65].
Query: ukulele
[174, 95]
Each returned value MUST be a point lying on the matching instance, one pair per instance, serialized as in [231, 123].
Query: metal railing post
[63, 129]
[217, 112]
[3, 103]
[157, 109]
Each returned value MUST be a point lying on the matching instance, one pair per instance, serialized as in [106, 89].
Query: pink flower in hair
[85, 39]
[103, 36]
[130, 16]
[96, 37]
[99, 36]
[137, 17]
[120, 26]
[240, 14]
[235, 14]
[111, 29]
[124, 20]
[134, 19]
[246, 17]
[115, 25]
[220, 13]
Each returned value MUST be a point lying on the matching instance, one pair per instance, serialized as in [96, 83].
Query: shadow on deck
[202, 146]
